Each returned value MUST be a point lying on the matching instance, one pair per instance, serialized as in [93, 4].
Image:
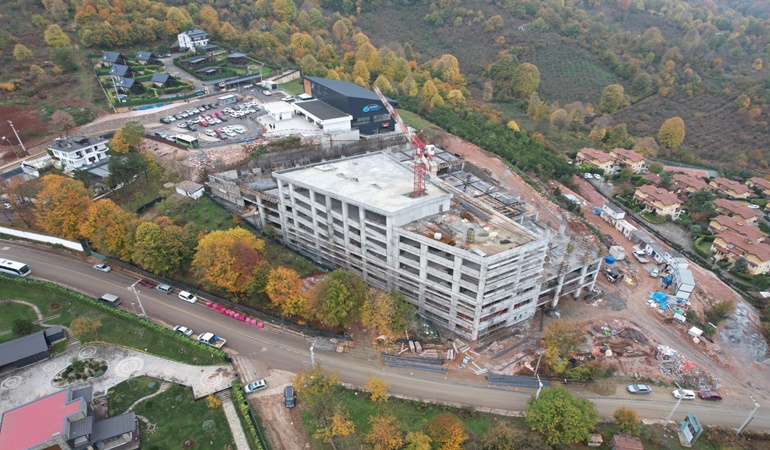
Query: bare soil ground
[282, 425]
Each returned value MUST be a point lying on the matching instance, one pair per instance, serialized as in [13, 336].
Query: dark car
[147, 283]
[192, 127]
[288, 396]
[710, 395]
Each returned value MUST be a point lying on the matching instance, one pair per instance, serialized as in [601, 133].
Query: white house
[684, 283]
[192, 38]
[77, 152]
[190, 189]
[612, 213]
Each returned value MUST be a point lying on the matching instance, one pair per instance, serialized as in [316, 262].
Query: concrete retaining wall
[42, 238]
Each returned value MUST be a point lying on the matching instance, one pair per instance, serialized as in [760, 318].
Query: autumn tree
[627, 421]
[513, 126]
[162, 247]
[213, 402]
[110, 228]
[285, 10]
[61, 122]
[613, 98]
[560, 417]
[284, 288]
[417, 440]
[700, 204]
[338, 425]
[361, 70]
[560, 119]
[21, 53]
[527, 80]
[429, 90]
[377, 389]
[500, 437]
[447, 431]
[179, 18]
[377, 312]
[84, 326]
[385, 433]
[61, 206]
[646, 146]
[127, 138]
[338, 296]
[671, 133]
[228, 259]
[456, 99]
[318, 392]
[55, 36]
[560, 340]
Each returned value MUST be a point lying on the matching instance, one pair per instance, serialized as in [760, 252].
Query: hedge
[243, 412]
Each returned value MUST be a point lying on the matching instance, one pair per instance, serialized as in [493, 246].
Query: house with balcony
[730, 188]
[737, 210]
[595, 158]
[78, 152]
[192, 39]
[628, 159]
[686, 184]
[110, 58]
[730, 246]
[760, 183]
[724, 223]
[659, 201]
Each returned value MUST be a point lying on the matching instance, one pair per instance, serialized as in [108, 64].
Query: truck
[212, 340]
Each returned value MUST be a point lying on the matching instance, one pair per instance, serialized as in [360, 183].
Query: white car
[597, 176]
[752, 206]
[588, 176]
[102, 267]
[183, 330]
[654, 273]
[268, 93]
[685, 394]
[210, 133]
[188, 297]
[255, 386]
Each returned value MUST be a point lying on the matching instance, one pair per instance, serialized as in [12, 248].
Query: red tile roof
[727, 184]
[741, 246]
[692, 172]
[761, 182]
[38, 421]
[594, 154]
[665, 197]
[751, 232]
[623, 442]
[736, 208]
[692, 182]
[628, 154]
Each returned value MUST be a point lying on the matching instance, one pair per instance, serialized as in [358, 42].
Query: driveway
[35, 381]
[176, 72]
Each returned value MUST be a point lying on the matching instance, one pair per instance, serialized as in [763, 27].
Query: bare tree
[62, 122]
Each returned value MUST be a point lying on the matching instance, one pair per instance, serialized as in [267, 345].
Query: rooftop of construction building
[374, 179]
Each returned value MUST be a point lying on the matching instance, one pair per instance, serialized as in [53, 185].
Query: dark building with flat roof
[368, 112]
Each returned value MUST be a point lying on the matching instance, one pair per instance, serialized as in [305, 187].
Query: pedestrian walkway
[239, 437]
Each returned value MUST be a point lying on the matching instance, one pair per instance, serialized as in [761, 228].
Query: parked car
[639, 389]
[192, 127]
[288, 396]
[183, 330]
[188, 297]
[710, 395]
[654, 273]
[210, 133]
[588, 176]
[102, 267]
[147, 283]
[597, 176]
[255, 386]
[268, 93]
[685, 394]
[166, 289]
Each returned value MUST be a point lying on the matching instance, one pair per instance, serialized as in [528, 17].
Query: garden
[149, 92]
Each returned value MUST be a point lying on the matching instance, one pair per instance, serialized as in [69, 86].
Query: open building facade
[471, 258]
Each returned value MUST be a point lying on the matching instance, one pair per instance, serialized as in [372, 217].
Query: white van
[110, 300]
[166, 289]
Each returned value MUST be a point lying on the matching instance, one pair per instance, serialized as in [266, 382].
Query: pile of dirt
[739, 333]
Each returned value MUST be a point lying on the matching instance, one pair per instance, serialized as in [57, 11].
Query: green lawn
[123, 395]
[293, 87]
[10, 311]
[653, 218]
[115, 329]
[179, 418]
[202, 212]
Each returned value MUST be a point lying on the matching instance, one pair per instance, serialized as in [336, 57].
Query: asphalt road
[285, 350]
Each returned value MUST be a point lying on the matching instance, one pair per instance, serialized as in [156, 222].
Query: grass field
[181, 419]
[11, 311]
[123, 395]
[202, 212]
[114, 329]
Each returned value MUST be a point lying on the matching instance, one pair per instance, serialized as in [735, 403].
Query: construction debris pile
[626, 342]
[683, 372]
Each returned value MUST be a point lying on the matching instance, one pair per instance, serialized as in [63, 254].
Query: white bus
[14, 268]
[186, 140]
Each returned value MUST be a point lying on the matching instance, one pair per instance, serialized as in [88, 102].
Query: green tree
[671, 133]
[228, 259]
[21, 327]
[319, 389]
[700, 204]
[560, 417]
[560, 119]
[21, 53]
[500, 437]
[337, 297]
[61, 206]
[162, 247]
[627, 421]
[655, 167]
[560, 340]
[65, 58]
[613, 98]
[721, 310]
[55, 36]
[125, 168]
[617, 136]
[526, 80]
[666, 179]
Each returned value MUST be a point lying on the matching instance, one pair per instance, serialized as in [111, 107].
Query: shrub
[21, 327]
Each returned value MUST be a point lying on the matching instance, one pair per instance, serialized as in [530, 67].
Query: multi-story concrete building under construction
[471, 258]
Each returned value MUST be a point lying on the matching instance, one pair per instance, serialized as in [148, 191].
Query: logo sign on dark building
[372, 107]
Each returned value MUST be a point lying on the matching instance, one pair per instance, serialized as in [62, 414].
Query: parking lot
[212, 124]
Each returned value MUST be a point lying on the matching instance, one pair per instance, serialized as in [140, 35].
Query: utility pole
[673, 410]
[312, 358]
[539, 383]
[17, 136]
[139, 299]
[751, 414]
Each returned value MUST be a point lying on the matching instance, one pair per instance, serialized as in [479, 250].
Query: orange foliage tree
[228, 259]
[110, 228]
[62, 205]
[385, 433]
[447, 431]
[284, 287]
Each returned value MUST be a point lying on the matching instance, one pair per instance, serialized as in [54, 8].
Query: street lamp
[12, 147]
[539, 383]
[751, 414]
[133, 286]
[312, 358]
[17, 137]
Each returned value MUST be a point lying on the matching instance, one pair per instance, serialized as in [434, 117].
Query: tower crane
[423, 154]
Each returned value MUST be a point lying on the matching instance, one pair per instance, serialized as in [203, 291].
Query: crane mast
[420, 152]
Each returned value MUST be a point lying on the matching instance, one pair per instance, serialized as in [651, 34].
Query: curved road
[285, 350]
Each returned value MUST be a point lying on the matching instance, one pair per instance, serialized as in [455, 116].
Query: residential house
[653, 178]
[237, 58]
[65, 420]
[209, 71]
[723, 223]
[162, 80]
[110, 58]
[595, 158]
[629, 159]
[196, 61]
[612, 213]
[686, 184]
[29, 349]
[675, 261]
[730, 246]
[660, 201]
[190, 189]
[737, 210]
[145, 58]
[129, 85]
[730, 188]
[76, 152]
[192, 38]
[626, 442]
[759, 183]
[121, 71]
